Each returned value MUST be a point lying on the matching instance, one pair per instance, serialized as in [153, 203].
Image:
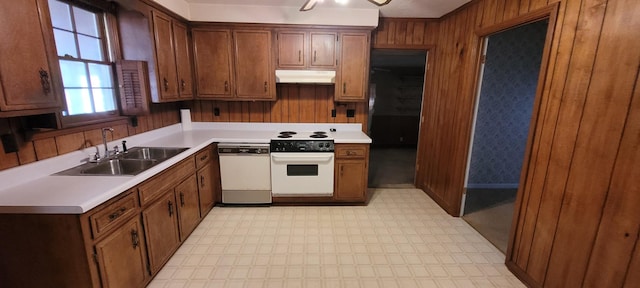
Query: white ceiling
[397, 8]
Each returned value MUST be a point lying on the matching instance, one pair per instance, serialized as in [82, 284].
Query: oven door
[302, 174]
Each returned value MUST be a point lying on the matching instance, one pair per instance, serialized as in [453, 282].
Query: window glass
[78, 101]
[90, 48]
[103, 99]
[65, 43]
[100, 75]
[74, 74]
[60, 15]
[86, 22]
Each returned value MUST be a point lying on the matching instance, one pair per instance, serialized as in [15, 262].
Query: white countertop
[32, 189]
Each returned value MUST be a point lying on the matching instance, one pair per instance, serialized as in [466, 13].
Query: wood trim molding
[546, 12]
[403, 47]
[60, 132]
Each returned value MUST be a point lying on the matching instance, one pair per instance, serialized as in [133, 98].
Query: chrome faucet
[104, 140]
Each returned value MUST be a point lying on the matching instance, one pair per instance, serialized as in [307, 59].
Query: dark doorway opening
[396, 91]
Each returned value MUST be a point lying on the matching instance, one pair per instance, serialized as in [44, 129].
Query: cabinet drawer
[155, 186]
[350, 151]
[203, 157]
[113, 214]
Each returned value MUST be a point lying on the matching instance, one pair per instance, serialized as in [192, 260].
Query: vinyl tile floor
[401, 239]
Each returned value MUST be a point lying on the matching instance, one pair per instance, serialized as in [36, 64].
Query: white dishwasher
[245, 173]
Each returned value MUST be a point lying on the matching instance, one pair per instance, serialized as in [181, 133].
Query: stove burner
[288, 133]
[320, 132]
[284, 136]
[318, 136]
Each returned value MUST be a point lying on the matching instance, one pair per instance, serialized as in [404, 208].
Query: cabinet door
[165, 56]
[188, 206]
[351, 180]
[122, 258]
[29, 77]
[183, 61]
[161, 230]
[291, 49]
[212, 49]
[254, 70]
[323, 50]
[353, 72]
[205, 189]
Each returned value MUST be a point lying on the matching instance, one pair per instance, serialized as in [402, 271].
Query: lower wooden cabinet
[188, 206]
[161, 230]
[122, 257]
[351, 172]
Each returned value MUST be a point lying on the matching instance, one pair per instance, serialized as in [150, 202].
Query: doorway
[396, 90]
[506, 94]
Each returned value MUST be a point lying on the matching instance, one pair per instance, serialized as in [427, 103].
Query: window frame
[107, 29]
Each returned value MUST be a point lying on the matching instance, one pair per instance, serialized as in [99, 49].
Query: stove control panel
[301, 145]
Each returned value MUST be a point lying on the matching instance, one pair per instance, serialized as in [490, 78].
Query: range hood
[306, 76]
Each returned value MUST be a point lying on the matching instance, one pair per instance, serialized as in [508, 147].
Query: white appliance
[245, 173]
[302, 164]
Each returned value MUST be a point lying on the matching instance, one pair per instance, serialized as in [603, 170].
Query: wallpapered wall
[506, 102]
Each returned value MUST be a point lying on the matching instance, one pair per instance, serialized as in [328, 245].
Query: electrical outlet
[216, 111]
[333, 113]
[351, 113]
[134, 121]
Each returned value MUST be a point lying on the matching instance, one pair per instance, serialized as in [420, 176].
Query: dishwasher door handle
[301, 159]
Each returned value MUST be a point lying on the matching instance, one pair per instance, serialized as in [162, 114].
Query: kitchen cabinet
[188, 206]
[300, 49]
[351, 172]
[208, 178]
[254, 72]
[213, 63]
[122, 258]
[30, 80]
[352, 76]
[161, 230]
[173, 58]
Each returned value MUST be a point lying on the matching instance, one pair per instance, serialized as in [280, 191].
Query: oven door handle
[301, 159]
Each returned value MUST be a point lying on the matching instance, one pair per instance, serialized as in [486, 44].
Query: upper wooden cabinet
[254, 72]
[234, 64]
[352, 76]
[173, 59]
[306, 49]
[213, 63]
[30, 80]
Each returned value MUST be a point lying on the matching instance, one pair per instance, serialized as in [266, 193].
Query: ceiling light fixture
[312, 3]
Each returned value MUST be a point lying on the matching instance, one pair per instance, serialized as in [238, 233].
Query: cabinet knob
[135, 239]
[166, 84]
[201, 181]
[44, 81]
[183, 84]
[226, 86]
[265, 86]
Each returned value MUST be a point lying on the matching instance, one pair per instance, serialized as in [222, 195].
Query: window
[85, 66]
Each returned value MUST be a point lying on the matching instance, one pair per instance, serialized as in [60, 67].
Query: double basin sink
[133, 162]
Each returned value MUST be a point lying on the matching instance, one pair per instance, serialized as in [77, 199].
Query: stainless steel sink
[133, 162]
[156, 153]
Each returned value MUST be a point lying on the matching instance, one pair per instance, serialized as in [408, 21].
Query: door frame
[550, 12]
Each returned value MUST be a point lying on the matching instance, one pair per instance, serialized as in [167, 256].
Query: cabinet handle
[341, 171]
[44, 81]
[115, 215]
[344, 88]
[135, 240]
[204, 157]
[166, 84]
[170, 204]
[183, 84]
[299, 55]
[226, 86]
[181, 199]
[201, 181]
[265, 86]
[315, 55]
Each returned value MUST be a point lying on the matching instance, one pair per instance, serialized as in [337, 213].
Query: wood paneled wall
[577, 223]
[294, 104]
[51, 144]
[408, 33]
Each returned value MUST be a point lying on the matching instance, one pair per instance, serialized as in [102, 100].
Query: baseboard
[492, 186]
